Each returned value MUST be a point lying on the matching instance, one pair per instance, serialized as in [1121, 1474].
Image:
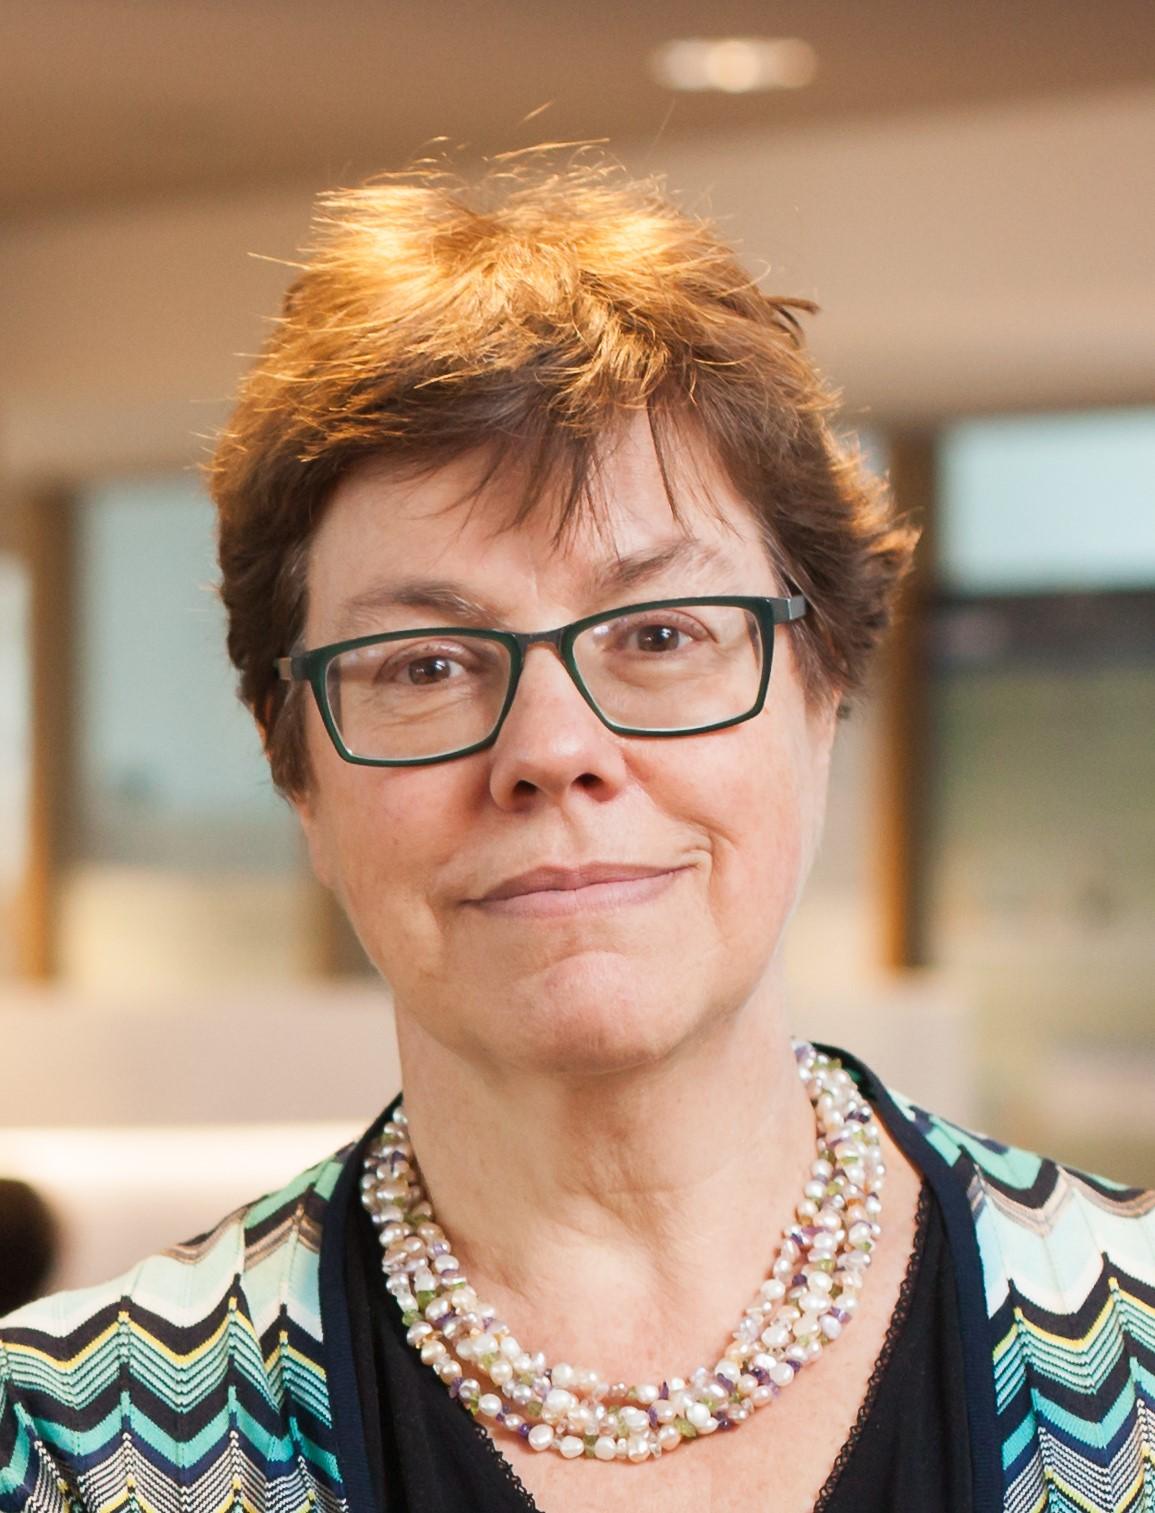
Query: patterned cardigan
[218, 1375]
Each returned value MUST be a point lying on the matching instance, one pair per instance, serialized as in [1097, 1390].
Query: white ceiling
[106, 100]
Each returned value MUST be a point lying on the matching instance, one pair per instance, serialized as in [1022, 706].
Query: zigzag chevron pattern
[197, 1382]
[193, 1382]
[1068, 1263]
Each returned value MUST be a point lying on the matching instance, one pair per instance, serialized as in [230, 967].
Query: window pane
[184, 865]
[1048, 502]
[170, 768]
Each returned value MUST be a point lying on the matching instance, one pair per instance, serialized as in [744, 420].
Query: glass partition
[1042, 836]
[183, 867]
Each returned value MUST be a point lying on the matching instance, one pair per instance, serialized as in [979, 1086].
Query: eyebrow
[447, 597]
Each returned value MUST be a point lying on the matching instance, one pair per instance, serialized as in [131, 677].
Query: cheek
[758, 807]
[388, 835]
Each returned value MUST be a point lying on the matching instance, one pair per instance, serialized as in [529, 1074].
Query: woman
[547, 583]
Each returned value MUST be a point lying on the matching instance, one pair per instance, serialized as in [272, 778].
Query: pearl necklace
[810, 1295]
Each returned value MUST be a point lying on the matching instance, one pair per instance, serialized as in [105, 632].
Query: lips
[565, 879]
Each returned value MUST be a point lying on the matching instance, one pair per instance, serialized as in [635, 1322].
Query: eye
[654, 634]
[659, 637]
[430, 668]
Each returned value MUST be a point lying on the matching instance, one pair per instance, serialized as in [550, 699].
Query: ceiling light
[735, 65]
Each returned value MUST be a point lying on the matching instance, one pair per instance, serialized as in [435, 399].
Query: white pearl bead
[489, 1405]
[501, 1371]
[669, 1437]
[557, 1402]
[830, 1326]
[585, 1419]
[781, 1374]
[540, 1437]
[647, 1393]
[563, 1375]
[639, 1449]
[604, 1448]
[698, 1414]
[571, 1446]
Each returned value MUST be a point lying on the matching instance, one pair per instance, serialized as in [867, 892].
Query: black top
[909, 1447]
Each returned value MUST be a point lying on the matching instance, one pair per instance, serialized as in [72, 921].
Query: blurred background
[968, 192]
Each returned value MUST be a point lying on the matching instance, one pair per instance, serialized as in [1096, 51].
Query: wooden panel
[48, 551]
[901, 846]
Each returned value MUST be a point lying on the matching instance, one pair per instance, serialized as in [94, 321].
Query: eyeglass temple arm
[793, 607]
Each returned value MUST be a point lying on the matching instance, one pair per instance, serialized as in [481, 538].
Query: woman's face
[626, 974]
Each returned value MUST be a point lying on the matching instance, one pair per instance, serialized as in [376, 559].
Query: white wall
[977, 260]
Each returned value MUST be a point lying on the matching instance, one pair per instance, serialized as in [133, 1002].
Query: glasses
[668, 667]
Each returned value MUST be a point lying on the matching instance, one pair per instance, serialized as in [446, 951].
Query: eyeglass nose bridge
[561, 639]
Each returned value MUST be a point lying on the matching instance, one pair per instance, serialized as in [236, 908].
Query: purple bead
[523, 1431]
[665, 1390]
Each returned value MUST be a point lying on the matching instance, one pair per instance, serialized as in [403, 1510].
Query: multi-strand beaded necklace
[811, 1293]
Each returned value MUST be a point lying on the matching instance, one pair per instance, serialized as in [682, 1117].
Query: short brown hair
[529, 313]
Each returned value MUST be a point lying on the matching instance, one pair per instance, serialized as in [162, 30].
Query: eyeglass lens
[659, 670]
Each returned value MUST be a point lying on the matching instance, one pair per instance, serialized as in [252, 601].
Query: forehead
[384, 531]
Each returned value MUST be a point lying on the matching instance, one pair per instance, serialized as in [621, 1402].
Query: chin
[598, 1014]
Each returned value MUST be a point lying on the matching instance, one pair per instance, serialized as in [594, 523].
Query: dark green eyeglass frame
[311, 666]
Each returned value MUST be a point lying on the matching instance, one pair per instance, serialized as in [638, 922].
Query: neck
[656, 1194]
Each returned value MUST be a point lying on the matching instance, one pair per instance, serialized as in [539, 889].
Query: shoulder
[1022, 1192]
[1047, 1229]
[177, 1331]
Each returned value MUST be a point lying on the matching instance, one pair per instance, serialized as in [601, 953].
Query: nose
[551, 741]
